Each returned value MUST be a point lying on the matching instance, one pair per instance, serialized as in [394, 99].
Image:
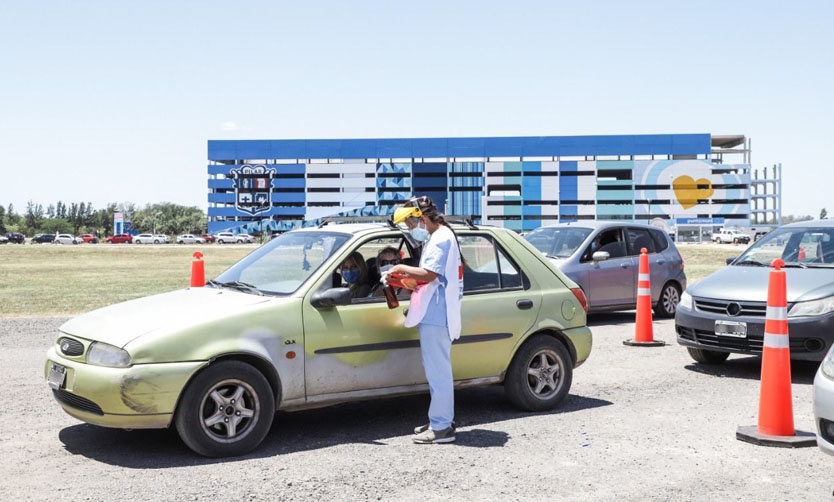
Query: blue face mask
[420, 234]
[351, 276]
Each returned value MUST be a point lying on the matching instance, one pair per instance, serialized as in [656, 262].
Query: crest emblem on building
[253, 188]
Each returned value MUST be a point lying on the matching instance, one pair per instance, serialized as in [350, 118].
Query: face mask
[420, 234]
[385, 268]
[351, 276]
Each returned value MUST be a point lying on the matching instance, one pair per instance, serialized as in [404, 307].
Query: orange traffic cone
[775, 402]
[643, 330]
[198, 271]
[801, 254]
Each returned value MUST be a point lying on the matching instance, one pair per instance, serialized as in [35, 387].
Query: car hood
[120, 323]
[744, 283]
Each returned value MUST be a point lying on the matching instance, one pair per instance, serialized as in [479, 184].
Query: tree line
[80, 218]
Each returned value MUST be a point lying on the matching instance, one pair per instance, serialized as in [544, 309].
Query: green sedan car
[279, 331]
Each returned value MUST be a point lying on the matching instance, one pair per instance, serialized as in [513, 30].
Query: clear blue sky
[114, 101]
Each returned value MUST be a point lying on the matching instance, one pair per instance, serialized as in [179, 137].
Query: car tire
[707, 356]
[221, 395]
[540, 374]
[667, 303]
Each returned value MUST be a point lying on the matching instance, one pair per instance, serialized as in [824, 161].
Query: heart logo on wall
[689, 190]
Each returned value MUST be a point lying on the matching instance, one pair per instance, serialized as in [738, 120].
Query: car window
[660, 241]
[559, 242]
[794, 245]
[637, 239]
[397, 246]
[610, 241]
[488, 267]
[283, 264]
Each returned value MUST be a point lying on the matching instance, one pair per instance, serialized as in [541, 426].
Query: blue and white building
[517, 182]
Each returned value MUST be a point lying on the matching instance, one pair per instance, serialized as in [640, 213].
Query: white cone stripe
[643, 277]
[776, 341]
[777, 313]
[644, 291]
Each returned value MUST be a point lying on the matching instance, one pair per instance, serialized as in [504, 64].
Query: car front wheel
[540, 374]
[667, 304]
[707, 356]
[227, 410]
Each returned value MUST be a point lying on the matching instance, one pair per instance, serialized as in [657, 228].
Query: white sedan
[824, 403]
[147, 239]
[67, 239]
[190, 239]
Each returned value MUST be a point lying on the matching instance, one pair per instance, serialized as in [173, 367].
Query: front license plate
[731, 328]
[57, 375]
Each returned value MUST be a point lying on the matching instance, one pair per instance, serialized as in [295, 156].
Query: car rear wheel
[707, 356]
[227, 410]
[667, 304]
[540, 374]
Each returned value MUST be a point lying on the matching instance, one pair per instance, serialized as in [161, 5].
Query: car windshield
[283, 264]
[797, 246]
[558, 242]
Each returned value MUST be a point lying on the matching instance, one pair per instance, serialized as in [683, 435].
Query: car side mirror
[600, 256]
[731, 260]
[330, 298]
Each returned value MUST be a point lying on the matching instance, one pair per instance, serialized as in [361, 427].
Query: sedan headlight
[686, 301]
[815, 307]
[827, 366]
[103, 354]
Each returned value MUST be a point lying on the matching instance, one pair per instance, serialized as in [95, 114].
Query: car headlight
[815, 307]
[827, 366]
[103, 354]
[686, 301]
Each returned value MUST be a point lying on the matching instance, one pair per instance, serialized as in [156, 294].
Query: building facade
[517, 182]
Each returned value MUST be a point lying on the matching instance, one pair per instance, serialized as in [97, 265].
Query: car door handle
[623, 265]
[524, 304]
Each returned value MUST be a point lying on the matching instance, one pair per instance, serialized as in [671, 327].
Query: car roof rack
[359, 219]
[462, 220]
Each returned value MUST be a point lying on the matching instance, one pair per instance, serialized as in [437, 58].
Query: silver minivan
[603, 258]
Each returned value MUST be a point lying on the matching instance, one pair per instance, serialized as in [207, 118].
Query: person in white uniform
[435, 310]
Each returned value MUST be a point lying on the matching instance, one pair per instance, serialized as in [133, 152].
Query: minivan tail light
[580, 295]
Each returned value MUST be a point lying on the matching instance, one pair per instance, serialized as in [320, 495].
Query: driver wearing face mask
[355, 273]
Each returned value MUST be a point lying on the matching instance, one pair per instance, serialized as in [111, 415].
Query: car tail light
[580, 295]
[680, 257]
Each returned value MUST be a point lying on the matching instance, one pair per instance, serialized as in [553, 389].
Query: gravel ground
[640, 424]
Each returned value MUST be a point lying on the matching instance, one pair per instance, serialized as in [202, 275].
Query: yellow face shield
[403, 213]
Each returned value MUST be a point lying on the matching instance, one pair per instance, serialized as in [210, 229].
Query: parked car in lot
[4, 239]
[730, 236]
[824, 403]
[207, 362]
[190, 239]
[149, 239]
[119, 239]
[725, 312]
[16, 237]
[603, 258]
[89, 238]
[232, 238]
[43, 238]
[162, 238]
[209, 238]
[67, 239]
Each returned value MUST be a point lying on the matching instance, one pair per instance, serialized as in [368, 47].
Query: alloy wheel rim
[229, 410]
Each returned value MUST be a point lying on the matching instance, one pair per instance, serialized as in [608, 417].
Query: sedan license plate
[731, 328]
[57, 375]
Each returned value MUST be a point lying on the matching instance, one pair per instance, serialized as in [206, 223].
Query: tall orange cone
[643, 330]
[198, 271]
[775, 402]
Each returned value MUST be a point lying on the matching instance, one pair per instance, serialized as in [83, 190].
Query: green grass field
[47, 279]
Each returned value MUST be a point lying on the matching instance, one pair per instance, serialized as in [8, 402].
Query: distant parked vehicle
[147, 239]
[119, 239]
[43, 238]
[232, 238]
[4, 239]
[89, 238]
[16, 237]
[67, 239]
[190, 239]
[208, 238]
[163, 239]
[728, 236]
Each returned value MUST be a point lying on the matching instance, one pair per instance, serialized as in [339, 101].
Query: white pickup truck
[728, 236]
